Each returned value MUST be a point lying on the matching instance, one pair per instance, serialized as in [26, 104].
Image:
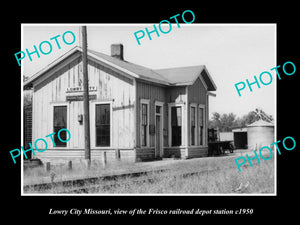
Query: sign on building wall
[76, 93]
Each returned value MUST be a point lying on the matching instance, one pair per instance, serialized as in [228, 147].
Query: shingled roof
[170, 76]
[141, 71]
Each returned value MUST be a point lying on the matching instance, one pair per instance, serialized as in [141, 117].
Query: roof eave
[33, 78]
[29, 82]
[214, 88]
[113, 65]
[209, 87]
[154, 80]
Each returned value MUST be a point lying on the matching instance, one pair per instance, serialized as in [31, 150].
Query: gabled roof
[181, 75]
[170, 76]
[141, 71]
[188, 76]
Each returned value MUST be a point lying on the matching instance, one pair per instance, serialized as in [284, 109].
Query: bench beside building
[141, 113]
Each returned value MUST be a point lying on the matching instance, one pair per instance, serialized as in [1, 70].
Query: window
[157, 109]
[176, 125]
[193, 125]
[59, 122]
[102, 125]
[144, 124]
[201, 126]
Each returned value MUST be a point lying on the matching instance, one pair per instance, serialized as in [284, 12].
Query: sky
[231, 53]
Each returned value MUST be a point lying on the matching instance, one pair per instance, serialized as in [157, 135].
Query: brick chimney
[117, 51]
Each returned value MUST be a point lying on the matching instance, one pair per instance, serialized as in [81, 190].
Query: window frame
[146, 102]
[194, 105]
[93, 123]
[52, 125]
[170, 105]
[99, 104]
[201, 106]
[161, 105]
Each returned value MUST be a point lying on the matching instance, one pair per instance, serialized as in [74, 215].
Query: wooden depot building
[138, 112]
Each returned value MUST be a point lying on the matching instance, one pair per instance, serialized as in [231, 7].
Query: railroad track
[79, 183]
[92, 184]
[94, 188]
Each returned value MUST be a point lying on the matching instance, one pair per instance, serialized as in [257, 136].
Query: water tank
[260, 133]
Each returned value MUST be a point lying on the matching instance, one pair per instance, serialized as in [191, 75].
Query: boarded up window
[144, 124]
[102, 125]
[176, 122]
[59, 122]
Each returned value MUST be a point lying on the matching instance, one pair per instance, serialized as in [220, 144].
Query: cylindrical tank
[260, 133]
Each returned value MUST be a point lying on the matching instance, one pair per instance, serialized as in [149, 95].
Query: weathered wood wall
[111, 87]
[197, 94]
[176, 94]
[124, 95]
[195, 152]
[27, 126]
[175, 152]
[153, 93]
[62, 156]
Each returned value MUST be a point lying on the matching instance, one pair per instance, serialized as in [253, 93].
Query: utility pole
[86, 111]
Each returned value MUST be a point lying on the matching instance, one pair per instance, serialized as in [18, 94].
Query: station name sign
[76, 93]
[80, 89]
[79, 97]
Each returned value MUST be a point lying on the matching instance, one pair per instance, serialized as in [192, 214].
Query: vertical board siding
[153, 93]
[110, 86]
[197, 93]
[165, 95]
[176, 94]
[118, 89]
[27, 127]
[124, 95]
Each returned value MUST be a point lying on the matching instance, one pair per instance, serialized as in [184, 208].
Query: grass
[256, 179]
[40, 175]
[61, 172]
[218, 175]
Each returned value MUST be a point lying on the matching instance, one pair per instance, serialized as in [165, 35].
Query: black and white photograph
[166, 114]
[130, 112]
